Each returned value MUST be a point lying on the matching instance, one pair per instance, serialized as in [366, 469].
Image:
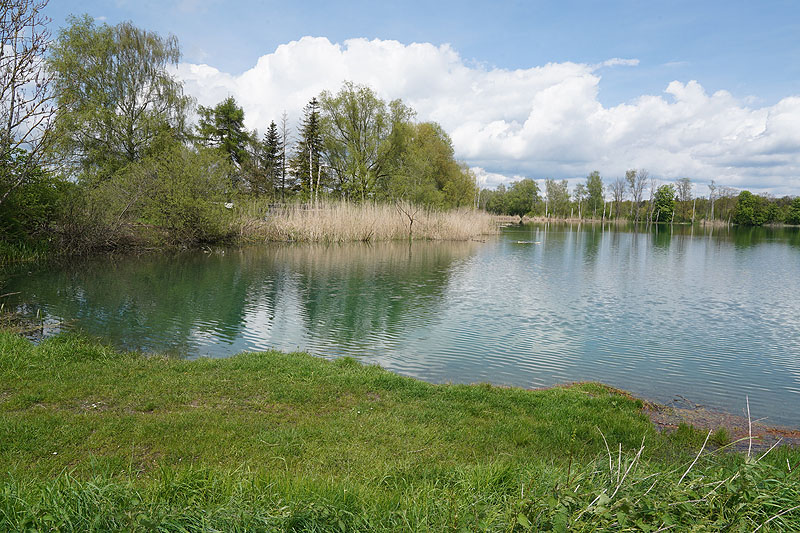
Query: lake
[712, 316]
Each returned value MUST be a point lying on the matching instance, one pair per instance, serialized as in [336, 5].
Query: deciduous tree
[618, 191]
[522, 197]
[117, 100]
[26, 100]
[664, 203]
[594, 192]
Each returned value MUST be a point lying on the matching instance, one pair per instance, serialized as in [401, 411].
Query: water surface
[712, 317]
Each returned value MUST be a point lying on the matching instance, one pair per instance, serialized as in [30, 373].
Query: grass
[14, 253]
[92, 439]
[346, 222]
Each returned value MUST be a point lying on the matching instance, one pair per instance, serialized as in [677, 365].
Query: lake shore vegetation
[338, 222]
[96, 439]
[121, 164]
[639, 198]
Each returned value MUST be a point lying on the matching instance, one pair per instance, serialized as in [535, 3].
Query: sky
[705, 90]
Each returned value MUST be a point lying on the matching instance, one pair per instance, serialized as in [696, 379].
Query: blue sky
[749, 50]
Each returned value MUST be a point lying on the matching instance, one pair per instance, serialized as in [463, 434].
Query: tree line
[100, 145]
[639, 197]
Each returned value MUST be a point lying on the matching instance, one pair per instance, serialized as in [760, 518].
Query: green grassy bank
[92, 439]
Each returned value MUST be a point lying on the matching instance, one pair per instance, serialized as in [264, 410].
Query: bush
[28, 210]
[183, 193]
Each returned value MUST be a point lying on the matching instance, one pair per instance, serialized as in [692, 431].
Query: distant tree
[664, 203]
[496, 200]
[423, 169]
[712, 196]
[557, 193]
[636, 180]
[793, 216]
[618, 191]
[684, 190]
[356, 126]
[282, 161]
[222, 126]
[579, 195]
[460, 187]
[26, 110]
[117, 99]
[750, 210]
[651, 202]
[594, 190]
[522, 197]
[271, 155]
[772, 210]
[261, 168]
[727, 202]
[307, 159]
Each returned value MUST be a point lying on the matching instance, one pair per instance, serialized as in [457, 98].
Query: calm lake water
[710, 317]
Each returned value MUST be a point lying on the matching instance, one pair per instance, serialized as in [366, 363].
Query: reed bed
[336, 222]
[11, 254]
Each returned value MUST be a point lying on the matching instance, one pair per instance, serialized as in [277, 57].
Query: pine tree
[223, 126]
[271, 157]
[308, 152]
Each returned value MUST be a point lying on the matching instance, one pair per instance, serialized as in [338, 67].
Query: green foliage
[31, 207]
[267, 178]
[664, 204]
[222, 126]
[557, 193]
[594, 192]
[179, 193]
[522, 197]
[579, 195]
[750, 210]
[424, 170]
[494, 201]
[720, 437]
[376, 152]
[793, 215]
[174, 197]
[519, 199]
[306, 163]
[357, 125]
[115, 96]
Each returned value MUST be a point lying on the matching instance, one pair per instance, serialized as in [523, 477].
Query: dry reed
[348, 222]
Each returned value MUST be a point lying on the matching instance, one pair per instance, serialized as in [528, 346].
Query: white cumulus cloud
[541, 121]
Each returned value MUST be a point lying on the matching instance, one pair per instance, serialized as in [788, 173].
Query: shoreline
[669, 416]
[665, 416]
[739, 428]
[108, 440]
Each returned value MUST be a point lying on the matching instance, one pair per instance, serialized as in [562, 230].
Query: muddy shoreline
[667, 417]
